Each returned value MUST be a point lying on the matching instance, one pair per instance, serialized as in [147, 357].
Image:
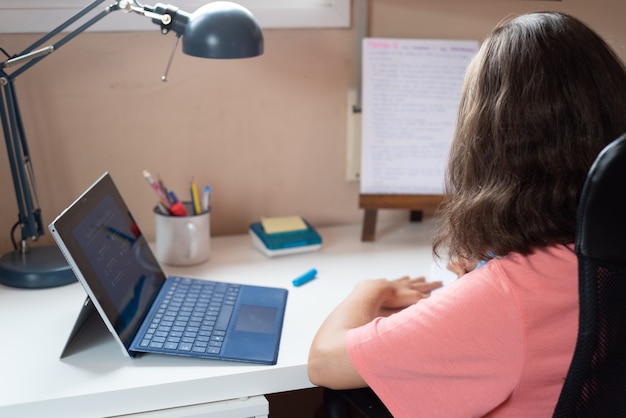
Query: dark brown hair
[541, 98]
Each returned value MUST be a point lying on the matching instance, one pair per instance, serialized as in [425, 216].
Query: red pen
[177, 208]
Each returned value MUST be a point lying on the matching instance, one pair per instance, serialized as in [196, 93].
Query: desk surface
[99, 380]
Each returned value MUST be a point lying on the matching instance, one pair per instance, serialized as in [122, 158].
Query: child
[541, 98]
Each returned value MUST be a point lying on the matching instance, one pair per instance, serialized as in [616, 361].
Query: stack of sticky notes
[284, 235]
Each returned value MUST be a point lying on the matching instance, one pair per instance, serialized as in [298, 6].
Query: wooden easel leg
[416, 216]
[369, 225]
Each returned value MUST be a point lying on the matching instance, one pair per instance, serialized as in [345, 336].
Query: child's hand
[406, 291]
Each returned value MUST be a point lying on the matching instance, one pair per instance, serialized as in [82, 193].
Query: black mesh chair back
[595, 385]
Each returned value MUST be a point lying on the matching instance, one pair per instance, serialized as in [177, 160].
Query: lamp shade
[222, 29]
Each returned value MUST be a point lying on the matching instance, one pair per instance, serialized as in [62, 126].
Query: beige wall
[267, 133]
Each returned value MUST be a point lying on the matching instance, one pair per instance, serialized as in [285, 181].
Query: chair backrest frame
[595, 385]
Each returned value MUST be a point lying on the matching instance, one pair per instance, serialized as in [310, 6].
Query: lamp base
[40, 268]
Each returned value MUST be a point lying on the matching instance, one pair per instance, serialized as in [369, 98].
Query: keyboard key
[224, 318]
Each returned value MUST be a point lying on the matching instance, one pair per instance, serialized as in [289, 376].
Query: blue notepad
[283, 243]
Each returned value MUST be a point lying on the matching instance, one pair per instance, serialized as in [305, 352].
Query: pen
[163, 189]
[177, 207]
[206, 198]
[305, 278]
[156, 189]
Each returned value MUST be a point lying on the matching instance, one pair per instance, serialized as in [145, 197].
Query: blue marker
[305, 278]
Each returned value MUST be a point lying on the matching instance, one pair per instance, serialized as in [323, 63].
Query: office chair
[354, 402]
[595, 385]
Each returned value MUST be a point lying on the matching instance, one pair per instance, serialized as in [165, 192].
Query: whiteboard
[411, 92]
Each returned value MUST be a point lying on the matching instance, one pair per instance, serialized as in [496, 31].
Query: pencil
[195, 198]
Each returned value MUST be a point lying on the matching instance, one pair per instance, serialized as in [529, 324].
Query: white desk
[100, 381]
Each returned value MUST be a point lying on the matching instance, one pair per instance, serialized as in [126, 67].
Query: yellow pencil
[195, 198]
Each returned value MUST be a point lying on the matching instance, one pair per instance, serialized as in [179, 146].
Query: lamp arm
[32, 55]
[29, 212]
[29, 216]
[62, 26]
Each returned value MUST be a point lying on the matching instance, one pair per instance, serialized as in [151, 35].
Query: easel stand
[416, 204]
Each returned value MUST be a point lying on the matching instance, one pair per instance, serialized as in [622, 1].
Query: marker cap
[177, 209]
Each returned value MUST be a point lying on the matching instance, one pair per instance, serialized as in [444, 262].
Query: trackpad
[256, 319]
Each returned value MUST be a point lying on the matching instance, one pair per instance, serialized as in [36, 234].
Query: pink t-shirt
[497, 342]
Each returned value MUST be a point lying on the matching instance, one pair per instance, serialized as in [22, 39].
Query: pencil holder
[183, 240]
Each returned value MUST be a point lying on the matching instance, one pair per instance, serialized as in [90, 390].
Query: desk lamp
[219, 29]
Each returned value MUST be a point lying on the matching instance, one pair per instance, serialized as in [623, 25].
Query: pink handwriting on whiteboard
[381, 44]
